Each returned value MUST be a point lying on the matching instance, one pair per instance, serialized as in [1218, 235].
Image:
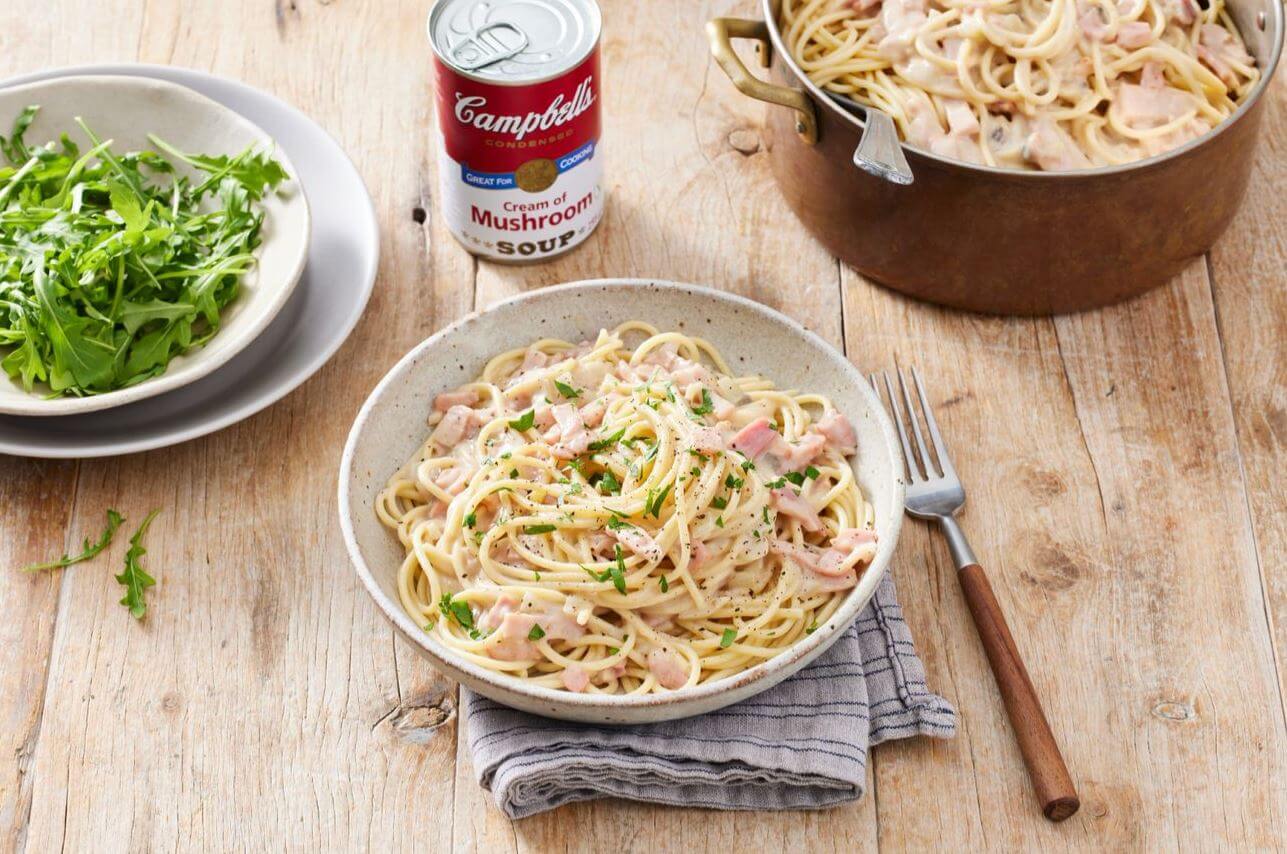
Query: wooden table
[1124, 469]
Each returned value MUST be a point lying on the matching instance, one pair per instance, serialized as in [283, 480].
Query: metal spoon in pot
[879, 152]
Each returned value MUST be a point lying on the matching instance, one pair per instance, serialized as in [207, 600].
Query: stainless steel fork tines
[935, 492]
[933, 489]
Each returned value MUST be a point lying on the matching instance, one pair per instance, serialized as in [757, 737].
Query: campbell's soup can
[517, 93]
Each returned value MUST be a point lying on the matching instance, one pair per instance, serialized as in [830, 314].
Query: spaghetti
[615, 519]
[1030, 84]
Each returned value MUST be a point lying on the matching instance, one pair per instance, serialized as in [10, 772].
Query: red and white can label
[521, 175]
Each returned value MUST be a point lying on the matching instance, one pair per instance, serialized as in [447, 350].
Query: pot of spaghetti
[1043, 156]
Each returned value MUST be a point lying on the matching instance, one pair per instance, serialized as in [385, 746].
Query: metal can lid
[514, 41]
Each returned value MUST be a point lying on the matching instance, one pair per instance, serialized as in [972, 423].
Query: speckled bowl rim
[766, 674]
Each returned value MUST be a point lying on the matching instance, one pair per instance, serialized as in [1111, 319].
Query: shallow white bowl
[126, 110]
[754, 339]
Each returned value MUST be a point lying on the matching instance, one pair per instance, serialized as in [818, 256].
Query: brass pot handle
[721, 32]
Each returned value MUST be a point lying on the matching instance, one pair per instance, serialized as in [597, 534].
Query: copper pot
[999, 240]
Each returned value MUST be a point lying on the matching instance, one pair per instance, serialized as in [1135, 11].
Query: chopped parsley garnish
[459, 611]
[664, 584]
[776, 484]
[566, 390]
[747, 465]
[524, 421]
[726, 639]
[617, 572]
[795, 477]
[695, 471]
[719, 502]
[707, 406]
[813, 627]
[478, 537]
[719, 522]
[655, 500]
[608, 483]
[538, 529]
[536, 633]
[811, 473]
[613, 650]
[536, 576]
[608, 441]
[471, 520]
[615, 524]
[513, 474]
[731, 482]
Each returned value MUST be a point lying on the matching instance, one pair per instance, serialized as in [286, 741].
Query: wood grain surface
[1124, 469]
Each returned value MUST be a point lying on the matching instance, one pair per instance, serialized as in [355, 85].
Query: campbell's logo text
[471, 110]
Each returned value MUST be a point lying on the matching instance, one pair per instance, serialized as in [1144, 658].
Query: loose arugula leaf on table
[112, 264]
[135, 579]
[88, 549]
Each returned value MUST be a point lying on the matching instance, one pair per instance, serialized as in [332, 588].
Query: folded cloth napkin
[800, 745]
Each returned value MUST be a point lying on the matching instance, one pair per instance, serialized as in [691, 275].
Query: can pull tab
[489, 44]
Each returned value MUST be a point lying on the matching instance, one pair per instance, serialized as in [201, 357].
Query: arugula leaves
[135, 579]
[88, 549]
[112, 264]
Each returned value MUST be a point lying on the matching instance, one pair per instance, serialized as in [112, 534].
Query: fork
[936, 495]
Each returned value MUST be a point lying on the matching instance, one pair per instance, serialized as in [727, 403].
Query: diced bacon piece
[1052, 149]
[534, 359]
[638, 542]
[1183, 12]
[1134, 34]
[617, 670]
[722, 407]
[799, 454]
[1219, 51]
[686, 373]
[668, 668]
[575, 678]
[456, 424]
[707, 440]
[699, 554]
[844, 546]
[592, 412]
[513, 644]
[803, 556]
[543, 415]
[787, 502]
[496, 614]
[1148, 107]
[1092, 24]
[557, 623]
[839, 432]
[453, 480]
[755, 438]
[573, 440]
[448, 399]
[663, 356]
[1151, 75]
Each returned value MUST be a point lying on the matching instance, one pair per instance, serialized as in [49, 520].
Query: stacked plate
[315, 265]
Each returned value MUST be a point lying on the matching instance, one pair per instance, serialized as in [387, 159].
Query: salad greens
[88, 549]
[112, 264]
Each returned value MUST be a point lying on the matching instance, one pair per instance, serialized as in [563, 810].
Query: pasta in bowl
[627, 519]
[622, 520]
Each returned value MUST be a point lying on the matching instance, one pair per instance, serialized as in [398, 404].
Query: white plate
[126, 110]
[753, 338]
[329, 299]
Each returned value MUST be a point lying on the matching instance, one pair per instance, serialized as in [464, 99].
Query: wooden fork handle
[1041, 754]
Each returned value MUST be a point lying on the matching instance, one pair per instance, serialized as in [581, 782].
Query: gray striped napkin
[800, 745]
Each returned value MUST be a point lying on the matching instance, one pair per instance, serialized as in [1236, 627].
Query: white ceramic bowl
[754, 339]
[126, 110]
